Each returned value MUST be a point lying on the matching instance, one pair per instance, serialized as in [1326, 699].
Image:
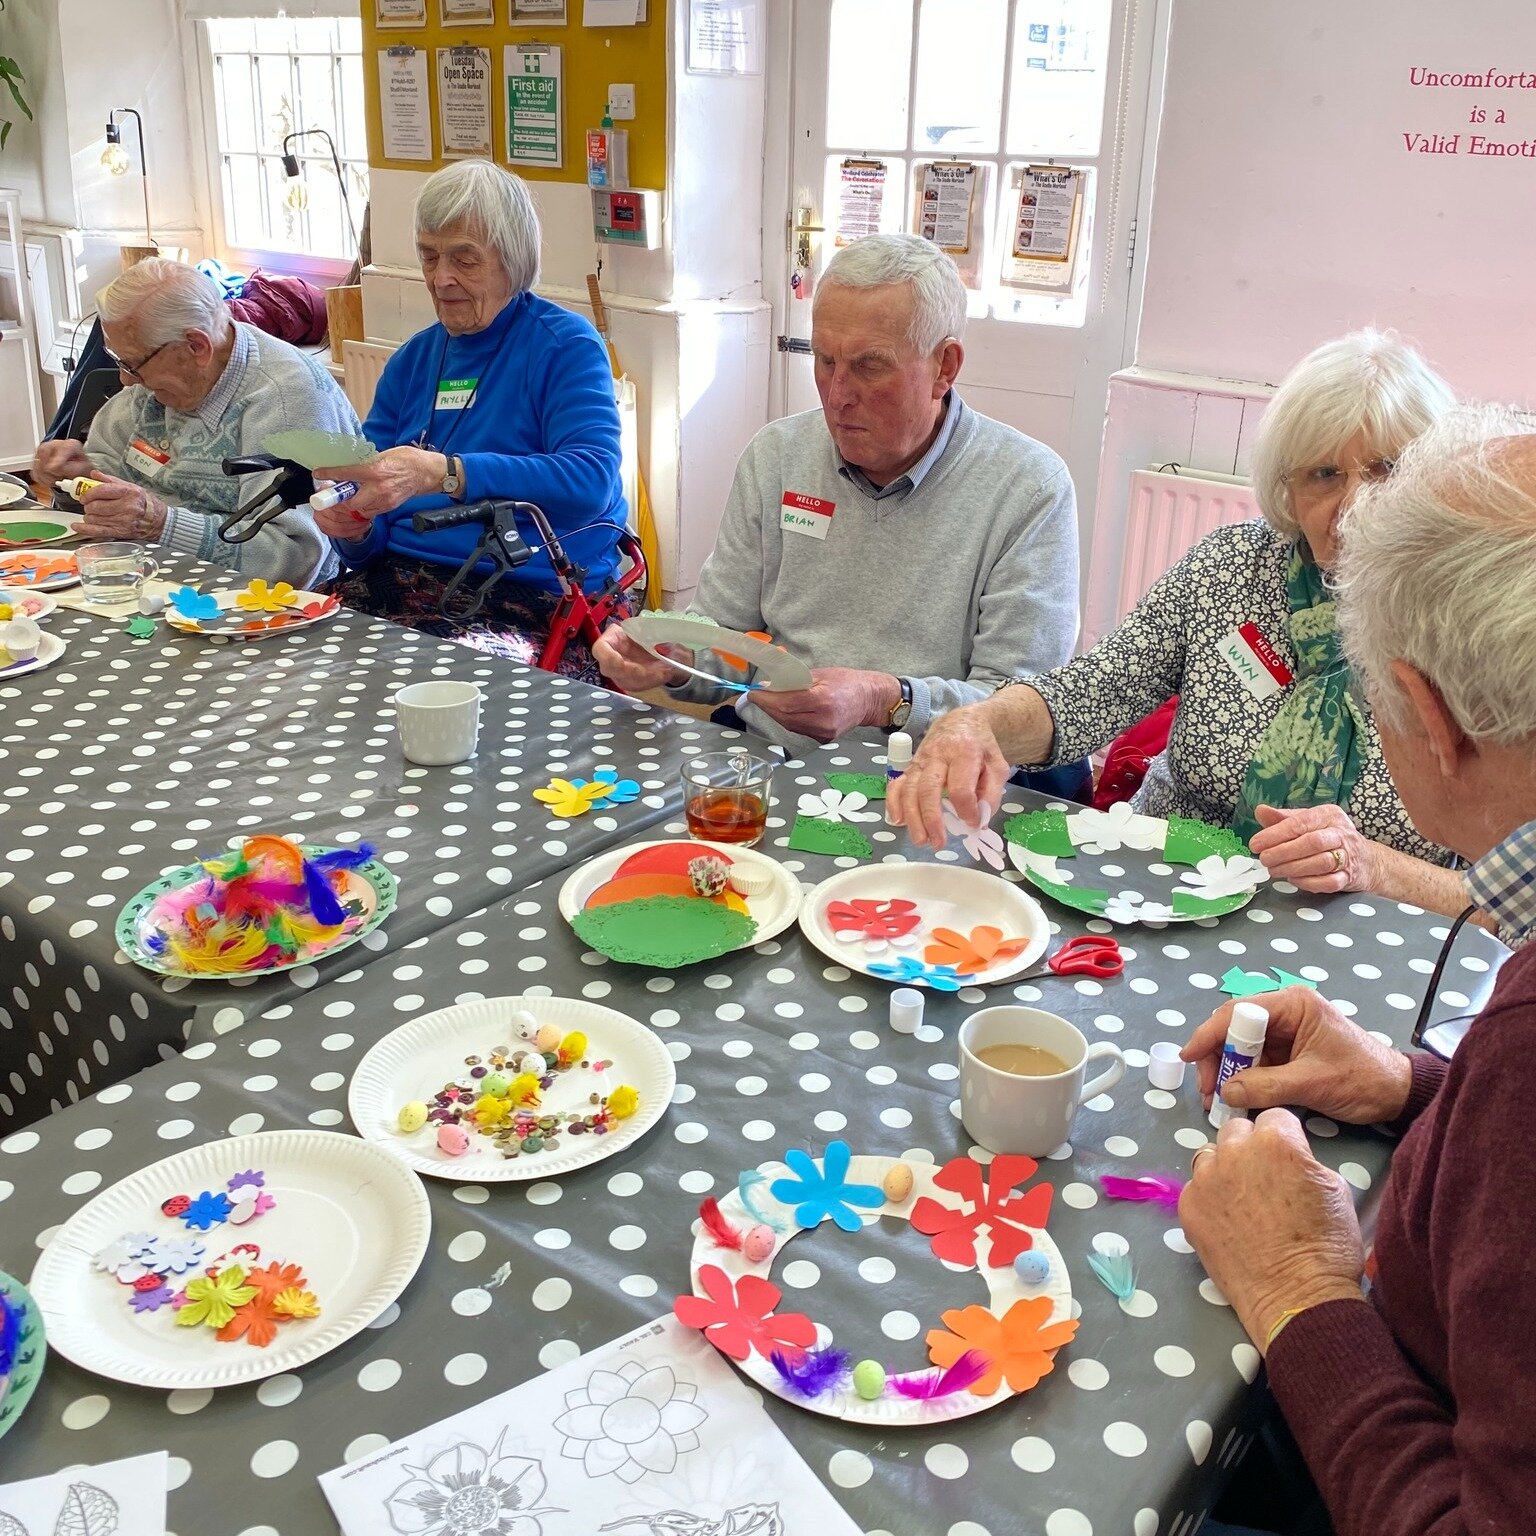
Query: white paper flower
[465, 1491]
[1118, 827]
[980, 841]
[120, 1257]
[630, 1421]
[1133, 907]
[835, 805]
[175, 1255]
[1214, 876]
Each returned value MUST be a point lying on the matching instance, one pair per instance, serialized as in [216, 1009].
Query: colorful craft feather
[715, 1223]
[1116, 1273]
[929, 1386]
[746, 1189]
[813, 1374]
[1161, 1189]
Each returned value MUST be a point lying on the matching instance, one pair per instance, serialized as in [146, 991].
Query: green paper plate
[31, 1352]
[35, 529]
[664, 931]
[372, 883]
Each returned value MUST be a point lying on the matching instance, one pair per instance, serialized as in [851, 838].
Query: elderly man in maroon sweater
[1414, 1406]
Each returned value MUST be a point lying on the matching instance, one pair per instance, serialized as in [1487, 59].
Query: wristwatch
[453, 481]
[901, 710]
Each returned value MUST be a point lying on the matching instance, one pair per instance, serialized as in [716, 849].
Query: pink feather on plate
[960, 1377]
[1161, 1189]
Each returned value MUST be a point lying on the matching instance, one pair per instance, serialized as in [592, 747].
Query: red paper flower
[874, 919]
[324, 606]
[1004, 1214]
[735, 1317]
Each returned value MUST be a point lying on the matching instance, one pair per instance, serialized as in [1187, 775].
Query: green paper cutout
[871, 785]
[141, 628]
[1080, 898]
[18, 531]
[1187, 904]
[1187, 842]
[1240, 983]
[664, 931]
[320, 450]
[813, 834]
[1040, 832]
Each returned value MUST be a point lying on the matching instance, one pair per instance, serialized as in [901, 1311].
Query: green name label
[454, 394]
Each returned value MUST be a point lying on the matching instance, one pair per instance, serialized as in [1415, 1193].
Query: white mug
[439, 722]
[1009, 1113]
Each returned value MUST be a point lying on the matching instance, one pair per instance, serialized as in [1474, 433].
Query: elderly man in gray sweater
[202, 387]
[914, 552]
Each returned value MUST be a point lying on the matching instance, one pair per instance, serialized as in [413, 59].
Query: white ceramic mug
[1006, 1112]
[439, 722]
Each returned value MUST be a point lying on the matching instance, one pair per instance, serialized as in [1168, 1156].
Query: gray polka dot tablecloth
[1133, 1434]
[128, 757]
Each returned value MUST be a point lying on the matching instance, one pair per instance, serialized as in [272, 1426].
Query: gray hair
[1438, 569]
[1369, 381]
[938, 295]
[167, 299]
[494, 204]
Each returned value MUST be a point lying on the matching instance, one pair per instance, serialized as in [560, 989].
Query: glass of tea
[726, 796]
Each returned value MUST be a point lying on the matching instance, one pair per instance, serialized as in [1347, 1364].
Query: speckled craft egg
[897, 1184]
[497, 1084]
[869, 1379]
[1032, 1267]
[758, 1244]
[548, 1038]
[452, 1139]
[524, 1024]
[412, 1117]
[531, 1064]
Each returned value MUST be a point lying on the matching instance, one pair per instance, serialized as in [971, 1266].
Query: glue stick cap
[898, 750]
[906, 1010]
[1247, 1027]
[1165, 1067]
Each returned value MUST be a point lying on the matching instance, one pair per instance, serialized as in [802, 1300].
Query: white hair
[1438, 569]
[1369, 381]
[166, 299]
[492, 203]
[938, 295]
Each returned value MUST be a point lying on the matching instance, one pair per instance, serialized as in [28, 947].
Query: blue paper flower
[942, 978]
[207, 1210]
[817, 1193]
[192, 604]
[623, 791]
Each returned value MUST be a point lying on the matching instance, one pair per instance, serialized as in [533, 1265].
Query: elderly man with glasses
[201, 387]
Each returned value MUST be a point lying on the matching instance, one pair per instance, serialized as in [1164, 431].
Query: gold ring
[1194, 1162]
[1338, 858]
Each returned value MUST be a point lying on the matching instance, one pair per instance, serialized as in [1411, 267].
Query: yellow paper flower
[565, 799]
[213, 1299]
[5, 610]
[295, 1303]
[260, 598]
[623, 1101]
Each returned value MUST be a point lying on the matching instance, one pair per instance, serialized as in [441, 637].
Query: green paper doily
[664, 931]
[871, 785]
[814, 834]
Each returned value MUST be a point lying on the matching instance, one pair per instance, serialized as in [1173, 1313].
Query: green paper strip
[664, 931]
[814, 834]
[870, 785]
[1187, 842]
[1041, 832]
[1081, 898]
[1186, 904]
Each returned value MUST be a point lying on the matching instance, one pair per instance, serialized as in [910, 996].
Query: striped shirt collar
[915, 476]
[222, 395]
[1503, 884]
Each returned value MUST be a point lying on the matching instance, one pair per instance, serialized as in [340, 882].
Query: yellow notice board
[592, 59]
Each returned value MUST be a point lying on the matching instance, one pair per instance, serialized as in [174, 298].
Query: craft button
[869, 1379]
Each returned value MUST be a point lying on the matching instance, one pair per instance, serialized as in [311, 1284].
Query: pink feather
[1161, 1189]
[724, 1234]
[960, 1377]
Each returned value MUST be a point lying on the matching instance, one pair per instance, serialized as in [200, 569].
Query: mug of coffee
[1021, 1078]
[439, 723]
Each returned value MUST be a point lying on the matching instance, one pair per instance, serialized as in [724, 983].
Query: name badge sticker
[146, 458]
[455, 394]
[1254, 660]
[809, 515]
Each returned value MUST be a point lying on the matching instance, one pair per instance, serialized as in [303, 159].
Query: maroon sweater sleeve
[1441, 1444]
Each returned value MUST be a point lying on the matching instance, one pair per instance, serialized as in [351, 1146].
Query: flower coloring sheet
[117, 1498]
[652, 1432]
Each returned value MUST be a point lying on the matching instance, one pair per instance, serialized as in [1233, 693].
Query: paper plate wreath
[1220, 875]
[977, 1218]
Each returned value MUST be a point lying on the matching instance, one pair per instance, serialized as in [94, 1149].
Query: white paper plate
[947, 896]
[13, 573]
[49, 649]
[775, 669]
[773, 911]
[64, 524]
[1003, 1287]
[12, 491]
[236, 623]
[415, 1060]
[352, 1216]
[28, 602]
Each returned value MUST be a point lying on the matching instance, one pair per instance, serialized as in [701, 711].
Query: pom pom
[1116, 1273]
[623, 1101]
[573, 1047]
[813, 1374]
[724, 1234]
[960, 1377]
[1161, 1189]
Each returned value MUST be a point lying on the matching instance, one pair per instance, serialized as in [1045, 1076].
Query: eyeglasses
[136, 370]
[1323, 482]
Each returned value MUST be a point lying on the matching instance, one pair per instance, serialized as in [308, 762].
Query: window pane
[353, 138]
[869, 66]
[960, 51]
[317, 104]
[1057, 91]
[235, 103]
[242, 200]
[274, 74]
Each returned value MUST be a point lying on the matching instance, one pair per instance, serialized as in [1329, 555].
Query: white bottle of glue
[76, 488]
[1245, 1040]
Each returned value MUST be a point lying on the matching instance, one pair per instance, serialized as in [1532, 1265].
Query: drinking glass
[726, 796]
[112, 575]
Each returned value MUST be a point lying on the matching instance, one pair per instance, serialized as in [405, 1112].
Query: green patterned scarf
[1310, 755]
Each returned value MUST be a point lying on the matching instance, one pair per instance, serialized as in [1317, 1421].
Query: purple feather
[1161, 1189]
[813, 1374]
[323, 905]
[960, 1377]
[343, 858]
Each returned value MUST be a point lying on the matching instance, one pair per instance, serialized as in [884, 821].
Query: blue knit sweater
[543, 427]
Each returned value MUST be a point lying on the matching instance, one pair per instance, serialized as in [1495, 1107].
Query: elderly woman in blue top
[507, 396]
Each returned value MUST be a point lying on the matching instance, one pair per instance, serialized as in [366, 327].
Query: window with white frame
[268, 78]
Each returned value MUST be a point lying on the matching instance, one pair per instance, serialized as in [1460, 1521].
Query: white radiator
[361, 364]
[1170, 511]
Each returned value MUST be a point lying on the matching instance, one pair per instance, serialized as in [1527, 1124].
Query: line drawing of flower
[942, 978]
[1020, 1345]
[467, 1491]
[817, 1193]
[979, 840]
[988, 1200]
[630, 1421]
[837, 805]
[1214, 877]
[1118, 827]
[735, 1317]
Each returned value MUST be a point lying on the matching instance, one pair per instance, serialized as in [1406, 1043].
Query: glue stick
[332, 495]
[1245, 1039]
[77, 487]
[898, 758]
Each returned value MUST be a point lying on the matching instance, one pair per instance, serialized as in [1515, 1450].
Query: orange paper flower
[275, 1278]
[970, 955]
[254, 1322]
[1020, 1346]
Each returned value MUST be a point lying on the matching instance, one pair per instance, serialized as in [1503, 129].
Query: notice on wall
[404, 105]
[612, 13]
[468, 13]
[945, 200]
[464, 101]
[725, 37]
[860, 199]
[1050, 209]
[535, 106]
[400, 13]
[532, 13]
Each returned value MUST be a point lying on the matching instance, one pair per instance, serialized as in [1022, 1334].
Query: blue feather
[1116, 1272]
[323, 905]
[814, 1374]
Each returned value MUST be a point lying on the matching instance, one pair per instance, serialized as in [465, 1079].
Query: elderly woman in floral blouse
[1270, 736]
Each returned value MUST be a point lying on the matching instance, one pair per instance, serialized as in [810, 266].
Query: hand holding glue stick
[329, 496]
[1244, 1044]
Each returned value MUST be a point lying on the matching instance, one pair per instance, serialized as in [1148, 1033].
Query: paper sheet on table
[125, 1497]
[731, 1468]
[74, 597]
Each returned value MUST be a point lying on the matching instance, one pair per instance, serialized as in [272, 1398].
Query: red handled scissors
[1090, 954]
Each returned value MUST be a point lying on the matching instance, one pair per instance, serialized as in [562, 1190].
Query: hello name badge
[455, 394]
[1255, 661]
[809, 515]
[146, 457]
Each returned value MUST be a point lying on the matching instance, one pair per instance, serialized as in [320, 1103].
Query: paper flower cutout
[213, 1299]
[980, 841]
[208, 1210]
[873, 919]
[120, 1257]
[151, 1301]
[738, 1317]
[1240, 983]
[192, 604]
[630, 1421]
[837, 805]
[1215, 877]
[566, 799]
[320, 609]
[1132, 907]
[140, 628]
[175, 1255]
[252, 1179]
[294, 1303]
[1118, 827]
[255, 1322]
[1020, 1346]
[817, 1193]
[260, 598]
[969, 954]
[908, 968]
[465, 1491]
[992, 1205]
[622, 791]
[274, 1278]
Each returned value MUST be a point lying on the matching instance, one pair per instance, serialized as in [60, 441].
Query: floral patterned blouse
[1169, 644]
